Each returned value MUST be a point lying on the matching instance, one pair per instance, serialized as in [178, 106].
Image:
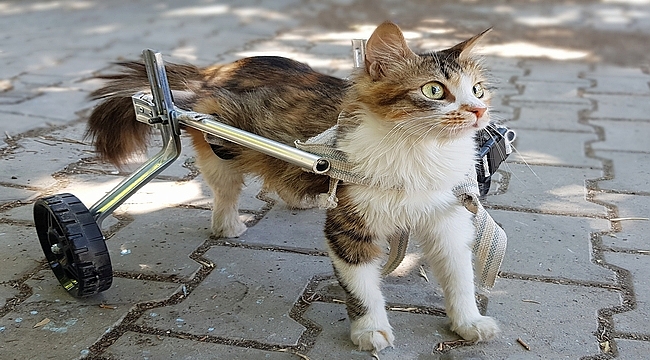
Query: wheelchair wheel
[73, 244]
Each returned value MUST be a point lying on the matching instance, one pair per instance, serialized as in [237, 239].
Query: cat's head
[440, 94]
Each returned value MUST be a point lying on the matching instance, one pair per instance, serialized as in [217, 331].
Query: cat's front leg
[356, 261]
[369, 326]
[446, 241]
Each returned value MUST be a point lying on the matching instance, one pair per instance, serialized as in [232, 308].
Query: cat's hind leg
[356, 259]
[446, 241]
[226, 183]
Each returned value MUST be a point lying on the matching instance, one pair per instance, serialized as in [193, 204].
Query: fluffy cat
[410, 129]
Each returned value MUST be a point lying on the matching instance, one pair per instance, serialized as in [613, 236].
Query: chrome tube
[113, 199]
[358, 53]
[210, 125]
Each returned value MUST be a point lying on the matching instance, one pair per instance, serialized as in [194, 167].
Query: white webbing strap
[490, 243]
[489, 246]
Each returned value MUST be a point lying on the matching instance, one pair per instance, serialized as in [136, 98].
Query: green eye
[478, 90]
[433, 90]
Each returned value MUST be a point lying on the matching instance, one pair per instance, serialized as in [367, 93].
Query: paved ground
[573, 80]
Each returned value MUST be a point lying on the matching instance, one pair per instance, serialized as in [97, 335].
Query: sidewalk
[573, 82]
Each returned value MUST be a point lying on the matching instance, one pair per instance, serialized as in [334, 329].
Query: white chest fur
[423, 172]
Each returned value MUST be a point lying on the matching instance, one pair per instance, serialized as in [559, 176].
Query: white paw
[479, 329]
[232, 231]
[376, 340]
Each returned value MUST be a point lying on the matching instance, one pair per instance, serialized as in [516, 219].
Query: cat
[410, 129]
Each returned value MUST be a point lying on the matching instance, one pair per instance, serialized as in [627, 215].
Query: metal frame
[158, 110]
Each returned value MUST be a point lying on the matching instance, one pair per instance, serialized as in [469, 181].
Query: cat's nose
[478, 111]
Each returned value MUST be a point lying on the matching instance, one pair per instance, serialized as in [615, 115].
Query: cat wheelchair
[70, 233]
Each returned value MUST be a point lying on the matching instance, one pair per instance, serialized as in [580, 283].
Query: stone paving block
[7, 292]
[628, 107]
[549, 189]
[58, 105]
[632, 349]
[247, 296]
[634, 233]
[631, 173]
[504, 65]
[404, 287]
[540, 147]
[563, 327]
[160, 242]
[25, 214]
[9, 194]
[542, 70]
[555, 92]
[14, 124]
[559, 117]
[623, 135]
[75, 324]
[415, 335]
[636, 320]
[551, 246]
[608, 70]
[281, 226]
[143, 346]
[611, 85]
[51, 157]
[21, 251]
[155, 195]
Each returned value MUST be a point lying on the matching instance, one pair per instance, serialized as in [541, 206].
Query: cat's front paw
[369, 339]
[375, 340]
[233, 230]
[479, 329]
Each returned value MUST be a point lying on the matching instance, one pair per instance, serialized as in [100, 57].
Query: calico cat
[410, 127]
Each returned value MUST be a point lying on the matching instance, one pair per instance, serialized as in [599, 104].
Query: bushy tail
[112, 126]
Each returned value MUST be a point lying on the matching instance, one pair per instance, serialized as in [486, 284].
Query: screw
[56, 249]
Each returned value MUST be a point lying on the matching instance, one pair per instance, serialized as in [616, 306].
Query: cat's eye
[433, 90]
[478, 90]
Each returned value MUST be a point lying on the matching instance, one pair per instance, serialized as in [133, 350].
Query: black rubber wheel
[73, 245]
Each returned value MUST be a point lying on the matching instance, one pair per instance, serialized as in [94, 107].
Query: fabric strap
[489, 246]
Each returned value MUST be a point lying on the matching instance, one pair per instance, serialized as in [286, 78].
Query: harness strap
[489, 245]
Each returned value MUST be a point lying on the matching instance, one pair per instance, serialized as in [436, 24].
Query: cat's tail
[112, 126]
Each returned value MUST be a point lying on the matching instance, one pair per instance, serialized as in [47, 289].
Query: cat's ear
[464, 49]
[385, 47]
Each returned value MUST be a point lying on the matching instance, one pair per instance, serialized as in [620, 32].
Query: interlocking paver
[540, 147]
[555, 190]
[631, 349]
[556, 321]
[73, 325]
[146, 346]
[284, 227]
[636, 320]
[634, 226]
[559, 117]
[248, 296]
[21, 252]
[8, 194]
[151, 245]
[537, 91]
[629, 106]
[623, 135]
[552, 246]
[415, 335]
[569, 79]
[631, 173]
[51, 156]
